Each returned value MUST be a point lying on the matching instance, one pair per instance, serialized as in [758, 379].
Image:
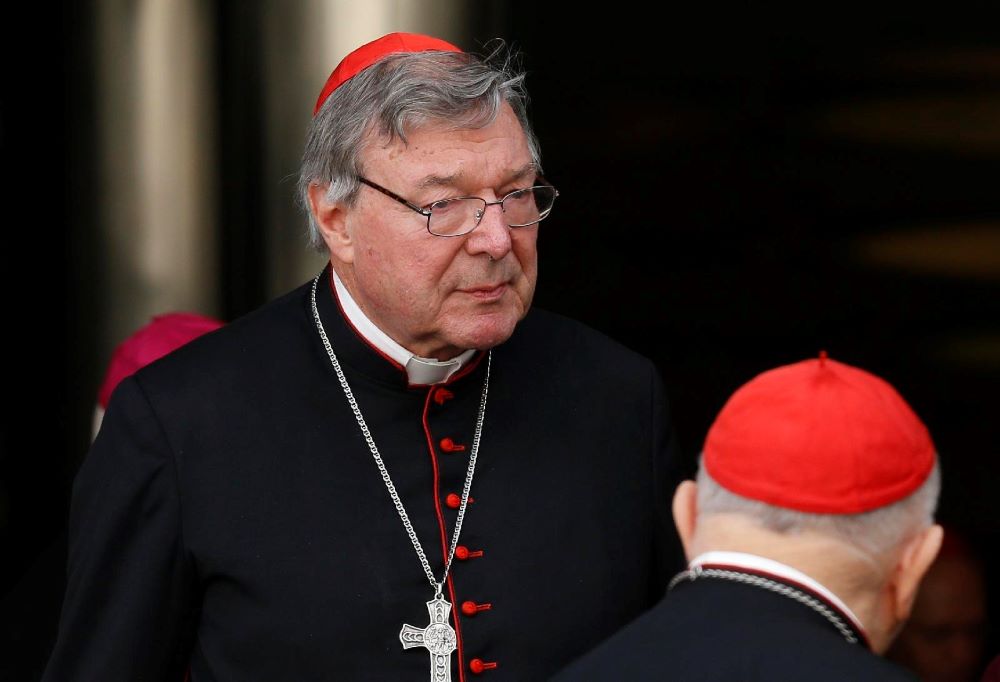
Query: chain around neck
[400, 509]
[768, 584]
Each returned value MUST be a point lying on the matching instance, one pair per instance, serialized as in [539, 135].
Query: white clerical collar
[419, 371]
[778, 570]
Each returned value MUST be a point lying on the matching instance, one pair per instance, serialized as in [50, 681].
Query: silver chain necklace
[439, 637]
[772, 585]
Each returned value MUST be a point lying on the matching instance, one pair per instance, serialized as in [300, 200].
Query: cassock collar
[355, 337]
[783, 572]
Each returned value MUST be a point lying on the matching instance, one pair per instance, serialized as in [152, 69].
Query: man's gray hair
[875, 532]
[397, 95]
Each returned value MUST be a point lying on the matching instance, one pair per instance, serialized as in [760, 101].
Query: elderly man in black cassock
[398, 470]
[808, 531]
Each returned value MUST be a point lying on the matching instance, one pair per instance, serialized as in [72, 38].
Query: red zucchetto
[819, 436]
[369, 53]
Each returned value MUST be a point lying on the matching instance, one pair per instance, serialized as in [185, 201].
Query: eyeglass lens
[520, 209]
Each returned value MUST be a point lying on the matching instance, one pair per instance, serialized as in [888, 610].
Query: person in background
[945, 637]
[162, 334]
[401, 470]
[992, 672]
[807, 532]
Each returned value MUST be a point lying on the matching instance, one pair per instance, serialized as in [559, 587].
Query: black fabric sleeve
[128, 611]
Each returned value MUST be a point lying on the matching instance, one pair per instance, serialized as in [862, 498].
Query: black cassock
[230, 521]
[710, 629]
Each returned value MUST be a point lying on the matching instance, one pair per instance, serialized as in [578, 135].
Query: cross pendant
[438, 638]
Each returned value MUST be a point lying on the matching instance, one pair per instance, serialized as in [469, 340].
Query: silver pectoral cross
[438, 638]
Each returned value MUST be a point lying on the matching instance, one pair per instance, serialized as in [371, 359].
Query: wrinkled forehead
[435, 150]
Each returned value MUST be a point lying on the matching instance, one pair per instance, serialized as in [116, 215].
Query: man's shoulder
[545, 331]
[554, 347]
[713, 640]
[276, 330]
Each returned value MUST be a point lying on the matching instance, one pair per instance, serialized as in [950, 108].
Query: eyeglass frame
[426, 211]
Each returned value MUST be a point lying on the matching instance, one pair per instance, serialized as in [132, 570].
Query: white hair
[876, 533]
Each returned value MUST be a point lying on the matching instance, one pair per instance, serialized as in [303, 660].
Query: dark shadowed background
[738, 191]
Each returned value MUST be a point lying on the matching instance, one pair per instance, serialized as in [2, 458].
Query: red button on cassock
[478, 665]
[462, 552]
[441, 395]
[448, 445]
[455, 501]
[471, 608]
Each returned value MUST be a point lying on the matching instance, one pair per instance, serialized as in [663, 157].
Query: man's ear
[918, 555]
[331, 220]
[685, 509]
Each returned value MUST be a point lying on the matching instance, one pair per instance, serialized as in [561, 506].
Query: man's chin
[491, 331]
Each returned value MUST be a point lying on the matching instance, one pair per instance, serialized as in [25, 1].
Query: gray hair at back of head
[876, 533]
[399, 94]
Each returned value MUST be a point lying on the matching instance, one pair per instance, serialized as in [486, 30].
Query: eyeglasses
[461, 215]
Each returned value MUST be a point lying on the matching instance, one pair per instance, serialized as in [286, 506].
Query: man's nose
[492, 234]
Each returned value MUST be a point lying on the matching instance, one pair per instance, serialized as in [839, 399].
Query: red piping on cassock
[444, 535]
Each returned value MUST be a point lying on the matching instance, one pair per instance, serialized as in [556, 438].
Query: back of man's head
[824, 467]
